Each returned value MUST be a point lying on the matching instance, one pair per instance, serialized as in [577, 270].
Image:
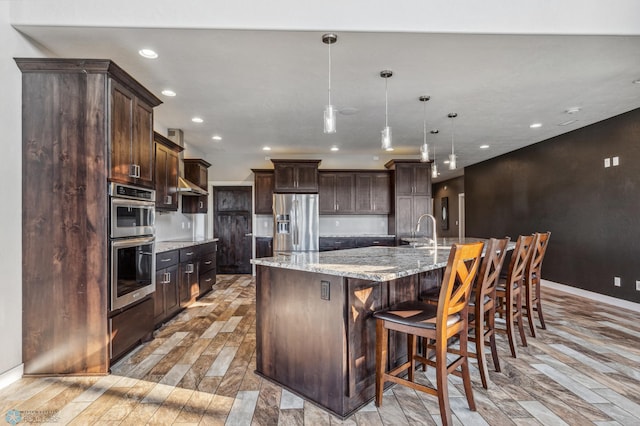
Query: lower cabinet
[130, 327]
[207, 268]
[342, 243]
[264, 247]
[167, 295]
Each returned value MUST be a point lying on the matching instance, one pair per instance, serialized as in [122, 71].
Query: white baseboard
[632, 306]
[11, 376]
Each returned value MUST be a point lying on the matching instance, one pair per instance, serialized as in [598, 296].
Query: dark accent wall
[561, 185]
[449, 188]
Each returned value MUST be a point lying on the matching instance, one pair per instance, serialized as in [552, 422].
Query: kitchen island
[314, 327]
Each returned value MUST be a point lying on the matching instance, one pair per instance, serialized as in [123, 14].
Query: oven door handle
[126, 202]
[132, 242]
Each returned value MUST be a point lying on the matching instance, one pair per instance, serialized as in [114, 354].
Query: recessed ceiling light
[484, 146]
[335, 148]
[536, 125]
[168, 92]
[636, 81]
[216, 138]
[389, 149]
[572, 110]
[148, 53]
[446, 161]
[197, 120]
[266, 148]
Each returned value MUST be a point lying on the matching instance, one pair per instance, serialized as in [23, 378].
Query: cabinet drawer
[207, 281]
[375, 241]
[166, 259]
[207, 262]
[207, 247]
[188, 254]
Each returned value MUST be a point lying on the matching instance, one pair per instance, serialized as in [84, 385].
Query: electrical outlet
[637, 285]
[325, 290]
[188, 225]
[616, 161]
[617, 282]
[337, 223]
[607, 162]
[182, 225]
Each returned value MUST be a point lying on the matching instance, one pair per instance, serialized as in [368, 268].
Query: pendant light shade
[452, 156]
[424, 148]
[387, 139]
[329, 110]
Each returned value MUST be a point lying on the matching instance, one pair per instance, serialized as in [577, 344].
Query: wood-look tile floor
[583, 370]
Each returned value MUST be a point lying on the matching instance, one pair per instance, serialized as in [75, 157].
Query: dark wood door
[381, 193]
[307, 177]
[121, 133]
[326, 193]
[404, 179]
[232, 225]
[142, 142]
[422, 179]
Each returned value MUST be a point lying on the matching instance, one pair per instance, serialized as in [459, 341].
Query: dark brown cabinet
[166, 173]
[412, 178]
[263, 191]
[411, 196]
[131, 137]
[189, 275]
[296, 176]
[373, 193]
[336, 192]
[207, 268]
[342, 243]
[83, 121]
[196, 171]
[167, 294]
[264, 247]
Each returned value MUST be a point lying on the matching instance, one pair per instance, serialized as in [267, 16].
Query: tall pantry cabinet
[84, 122]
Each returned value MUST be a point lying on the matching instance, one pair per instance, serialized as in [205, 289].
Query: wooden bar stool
[509, 292]
[533, 302]
[419, 319]
[482, 306]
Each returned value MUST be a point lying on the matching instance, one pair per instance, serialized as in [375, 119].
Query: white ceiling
[268, 87]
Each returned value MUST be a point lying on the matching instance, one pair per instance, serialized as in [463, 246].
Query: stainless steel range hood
[189, 188]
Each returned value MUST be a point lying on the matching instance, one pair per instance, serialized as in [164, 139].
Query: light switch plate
[607, 162]
[325, 290]
[637, 285]
[617, 282]
[616, 161]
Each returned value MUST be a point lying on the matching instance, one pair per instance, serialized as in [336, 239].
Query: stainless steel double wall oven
[132, 244]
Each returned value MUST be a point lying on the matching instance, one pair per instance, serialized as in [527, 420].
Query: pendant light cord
[386, 101]
[329, 73]
[424, 123]
[452, 132]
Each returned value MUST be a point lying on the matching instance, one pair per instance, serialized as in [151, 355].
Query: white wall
[12, 45]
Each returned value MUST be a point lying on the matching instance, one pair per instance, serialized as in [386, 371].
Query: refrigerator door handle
[296, 213]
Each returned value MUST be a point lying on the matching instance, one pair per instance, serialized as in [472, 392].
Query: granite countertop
[162, 246]
[369, 263]
[442, 242]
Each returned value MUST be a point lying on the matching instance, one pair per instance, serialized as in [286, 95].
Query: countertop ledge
[370, 263]
[162, 246]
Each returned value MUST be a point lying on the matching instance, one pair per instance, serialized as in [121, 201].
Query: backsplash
[353, 225]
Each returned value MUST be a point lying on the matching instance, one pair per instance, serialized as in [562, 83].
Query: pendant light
[424, 148]
[329, 110]
[387, 142]
[452, 156]
[434, 166]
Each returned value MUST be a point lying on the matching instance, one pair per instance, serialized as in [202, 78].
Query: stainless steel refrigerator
[296, 219]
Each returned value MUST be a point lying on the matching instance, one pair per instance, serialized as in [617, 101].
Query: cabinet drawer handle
[189, 253]
[200, 204]
[169, 199]
[208, 262]
[208, 280]
[189, 269]
[166, 260]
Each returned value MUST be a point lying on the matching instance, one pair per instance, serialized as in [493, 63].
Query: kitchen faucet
[435, 235]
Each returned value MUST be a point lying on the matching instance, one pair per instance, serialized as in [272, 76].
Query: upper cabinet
[167, 162]
[263, 191]
[411, 178]
[296, 176]
[336, 192]
[411, 195]
[373, 193]
[131, 145]
[196, 171]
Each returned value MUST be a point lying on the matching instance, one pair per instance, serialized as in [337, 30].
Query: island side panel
[300, 337]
